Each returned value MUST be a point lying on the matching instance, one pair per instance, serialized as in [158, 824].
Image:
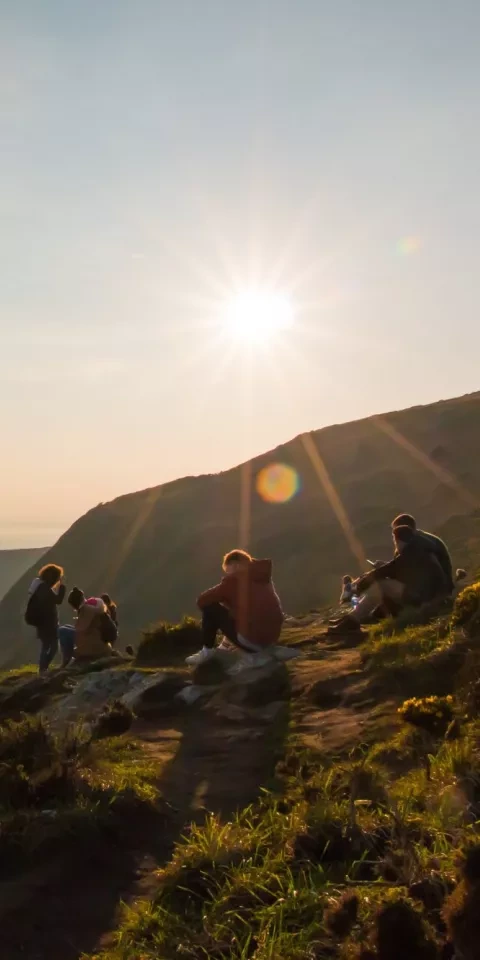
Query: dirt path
[332, 707]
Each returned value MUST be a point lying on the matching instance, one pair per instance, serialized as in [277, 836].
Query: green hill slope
[156, 549]
[14, 563]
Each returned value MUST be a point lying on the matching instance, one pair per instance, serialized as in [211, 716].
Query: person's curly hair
[236, 556]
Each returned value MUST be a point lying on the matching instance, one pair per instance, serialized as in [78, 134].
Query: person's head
[106, 599]
[404, 520]
[236, 560]
[51, 574]
[402, 536]
[75, 598]
[346, 580]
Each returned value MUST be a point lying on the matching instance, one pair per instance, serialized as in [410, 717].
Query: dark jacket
[418, 569]
[112, 612]
[251, 598]
[45, 603]
[439, 549]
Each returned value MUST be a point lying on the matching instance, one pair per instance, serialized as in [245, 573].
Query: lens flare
[409, 245]
[277, 483]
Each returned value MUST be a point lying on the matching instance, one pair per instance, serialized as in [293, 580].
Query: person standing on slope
[244, 607]
[45, 595]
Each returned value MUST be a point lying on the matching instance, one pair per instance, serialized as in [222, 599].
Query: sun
[256, 316]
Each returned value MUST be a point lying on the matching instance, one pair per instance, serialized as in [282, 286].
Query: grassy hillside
[331, 816]
[14, 563]
[156, 549]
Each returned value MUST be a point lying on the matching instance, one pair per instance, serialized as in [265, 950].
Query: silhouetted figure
[433, 543]
[111, 607]
[346, 595]
[94, 632]
[45, 595]
[412, 578]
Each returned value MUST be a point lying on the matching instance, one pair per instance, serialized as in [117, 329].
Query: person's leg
[376, 595]
[44, 659]
[49, 647]
[216, 619]
[66, 637]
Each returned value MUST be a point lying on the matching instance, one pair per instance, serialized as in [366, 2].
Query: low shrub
[165, 643]
[433, 714]
[116, 718]
[466, 610]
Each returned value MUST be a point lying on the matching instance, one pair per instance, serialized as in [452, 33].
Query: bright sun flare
[256, 315]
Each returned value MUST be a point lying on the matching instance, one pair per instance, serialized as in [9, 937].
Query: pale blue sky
[155, 154]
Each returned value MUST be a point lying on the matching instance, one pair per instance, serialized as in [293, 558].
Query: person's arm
[221, 593]
[390, 569]
[59, 594]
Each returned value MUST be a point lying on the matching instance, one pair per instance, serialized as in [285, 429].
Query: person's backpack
[33, 611]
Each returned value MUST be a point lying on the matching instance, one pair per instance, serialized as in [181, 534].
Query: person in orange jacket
[244, 607]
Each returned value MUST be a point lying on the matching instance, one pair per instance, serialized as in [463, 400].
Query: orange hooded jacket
[251, 598]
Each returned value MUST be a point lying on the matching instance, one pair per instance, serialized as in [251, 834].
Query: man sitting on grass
[244, 607]
[433, 544]
[412, 578]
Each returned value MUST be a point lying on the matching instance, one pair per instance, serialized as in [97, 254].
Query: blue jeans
[66, 636]
[48, 651]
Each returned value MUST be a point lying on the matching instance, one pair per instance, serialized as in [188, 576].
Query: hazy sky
[157, 155]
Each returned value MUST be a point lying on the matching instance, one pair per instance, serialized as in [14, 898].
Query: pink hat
[95, 602]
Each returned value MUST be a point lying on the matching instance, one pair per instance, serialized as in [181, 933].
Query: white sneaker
[285, 653]
[201, 657]
[248, 662]
[225, 645]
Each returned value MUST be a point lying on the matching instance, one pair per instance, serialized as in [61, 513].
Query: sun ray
[440, 472]
[334, 500]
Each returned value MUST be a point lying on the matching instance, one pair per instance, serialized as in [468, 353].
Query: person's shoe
[201, 657]
[285, 653]
[249, 661]
[346, 625]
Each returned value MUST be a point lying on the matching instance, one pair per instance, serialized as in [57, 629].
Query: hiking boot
[346, 625]
[201, 657]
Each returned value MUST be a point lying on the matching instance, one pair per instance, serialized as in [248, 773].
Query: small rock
[285, 653]
[215, 670]
[159, 699]
[193, 693]
[260, 685]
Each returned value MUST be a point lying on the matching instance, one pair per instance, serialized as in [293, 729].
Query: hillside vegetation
[343, 826]
[154, 551]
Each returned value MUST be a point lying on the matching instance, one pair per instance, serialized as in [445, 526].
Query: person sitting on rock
[111, 607]
[434, 544]
[94, 632]
[346, 595]
[244, 607]
[45, 595]
[412, 578]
